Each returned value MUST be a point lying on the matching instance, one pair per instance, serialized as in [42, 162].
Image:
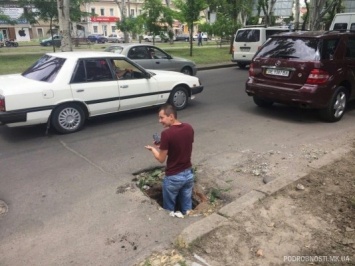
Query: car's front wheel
[262, 102]
[336, 108]
[179, 98]
[68, 118]
[187, 71]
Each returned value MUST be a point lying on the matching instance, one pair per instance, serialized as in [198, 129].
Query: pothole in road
[204, 200]
[3, 208]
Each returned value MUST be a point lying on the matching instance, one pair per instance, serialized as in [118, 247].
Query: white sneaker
[178, 214]
[172, 214]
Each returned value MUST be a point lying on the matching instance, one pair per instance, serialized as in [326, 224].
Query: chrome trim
[281, 68]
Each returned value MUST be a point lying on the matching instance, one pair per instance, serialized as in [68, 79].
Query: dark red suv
[307, 69]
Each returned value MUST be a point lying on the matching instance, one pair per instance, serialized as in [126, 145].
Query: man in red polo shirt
[176, 147]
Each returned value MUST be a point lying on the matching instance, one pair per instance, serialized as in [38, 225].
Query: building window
[102, 12]
[111, 12]
[40, 32]
[95, 29]
[93, 11]
[140, 11]
[113, 28]
[132, 13]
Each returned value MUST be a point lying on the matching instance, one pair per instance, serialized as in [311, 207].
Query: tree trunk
[191, 26]
[64, 25]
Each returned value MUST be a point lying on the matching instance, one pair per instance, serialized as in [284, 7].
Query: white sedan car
[64, 89]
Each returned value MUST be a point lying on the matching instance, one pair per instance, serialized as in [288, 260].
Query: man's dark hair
[168, 110]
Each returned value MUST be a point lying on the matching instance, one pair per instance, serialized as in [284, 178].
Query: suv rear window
[248, 36]
[304, 49]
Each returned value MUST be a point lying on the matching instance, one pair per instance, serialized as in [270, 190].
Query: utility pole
[124, 16]
[297, 14]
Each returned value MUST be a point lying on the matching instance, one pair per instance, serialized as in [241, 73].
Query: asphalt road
[61, 189]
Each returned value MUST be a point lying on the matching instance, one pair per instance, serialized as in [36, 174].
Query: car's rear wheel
[187, 71]
[262, 102]
[68, 118]
[179, 98]
[337, 105]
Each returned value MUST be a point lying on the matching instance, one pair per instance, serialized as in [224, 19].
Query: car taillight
[251, 70]
[2, 103]
[317, 76]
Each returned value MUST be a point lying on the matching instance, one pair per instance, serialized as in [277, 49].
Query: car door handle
[124, 86]
[157, 62]
[79, 90]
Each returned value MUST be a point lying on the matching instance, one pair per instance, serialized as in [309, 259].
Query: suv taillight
[2, 103]
[251, 70]
[317, 76]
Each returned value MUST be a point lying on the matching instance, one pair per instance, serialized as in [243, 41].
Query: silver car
[152, 57]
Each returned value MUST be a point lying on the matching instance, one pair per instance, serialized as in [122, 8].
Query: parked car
[152, 57]
[182, 37]
[204, 36]
[114, 38]
[57, 39]
[64, 89]
[157, 38]
[248, 40]
[343, 21]
[306, 69]
[97, 38]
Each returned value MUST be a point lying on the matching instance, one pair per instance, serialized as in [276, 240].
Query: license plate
[277, 72]
[245, 49]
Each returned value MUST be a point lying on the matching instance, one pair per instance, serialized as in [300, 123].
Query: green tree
[320, 11]
[6, 18]
[190, 13]
[231, 15]
[131, 25]
[47, 11]
[267, 6]
[156, 17]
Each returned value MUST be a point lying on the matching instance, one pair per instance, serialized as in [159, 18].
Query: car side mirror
[169, 57]
[147, 75]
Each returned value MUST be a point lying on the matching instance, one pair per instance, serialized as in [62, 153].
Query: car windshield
[45, 69]
[299, 48]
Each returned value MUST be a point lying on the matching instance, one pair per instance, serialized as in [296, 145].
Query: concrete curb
[216, 66]
[224, 215]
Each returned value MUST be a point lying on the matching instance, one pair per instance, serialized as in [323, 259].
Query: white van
[343, 21]
[248, 40]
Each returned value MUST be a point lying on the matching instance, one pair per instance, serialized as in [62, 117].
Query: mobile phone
[156, 138]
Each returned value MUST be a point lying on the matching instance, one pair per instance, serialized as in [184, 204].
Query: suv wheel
[336, 108]
[262, 102]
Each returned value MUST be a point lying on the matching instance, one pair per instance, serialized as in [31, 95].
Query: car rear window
[250, 35]
[45, 69]
[299, 48]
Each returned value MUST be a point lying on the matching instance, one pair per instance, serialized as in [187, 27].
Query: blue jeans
[178, 187]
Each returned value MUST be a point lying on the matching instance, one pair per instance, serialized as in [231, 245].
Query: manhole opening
[150, 183]
[3, 208]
